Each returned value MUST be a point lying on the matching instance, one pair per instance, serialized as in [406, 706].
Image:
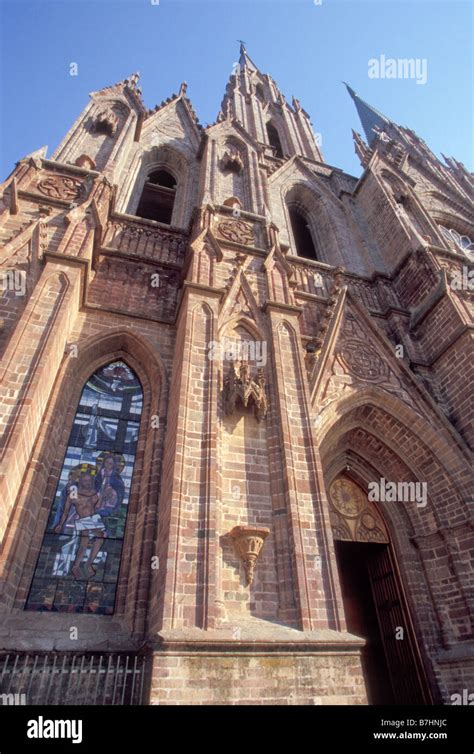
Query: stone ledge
[258, 635]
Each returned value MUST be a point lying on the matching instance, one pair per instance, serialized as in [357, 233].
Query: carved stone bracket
[239, 385]
[248, 541]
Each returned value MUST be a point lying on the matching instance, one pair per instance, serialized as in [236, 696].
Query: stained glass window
[78, 565]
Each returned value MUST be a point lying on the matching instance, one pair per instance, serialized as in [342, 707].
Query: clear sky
[306, 46]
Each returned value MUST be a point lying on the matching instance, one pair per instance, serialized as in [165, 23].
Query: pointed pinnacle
[349, 89]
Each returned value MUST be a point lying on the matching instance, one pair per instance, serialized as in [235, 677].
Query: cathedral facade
[236, 412]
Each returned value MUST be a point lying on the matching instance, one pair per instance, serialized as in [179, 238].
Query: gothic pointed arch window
[302, 234]
[274, 139]
[158, 197]
[79, 560]
[259, 93]
[461, 242]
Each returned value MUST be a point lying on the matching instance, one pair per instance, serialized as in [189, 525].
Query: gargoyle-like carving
[239, 385]
[231, 160]
[106, 122]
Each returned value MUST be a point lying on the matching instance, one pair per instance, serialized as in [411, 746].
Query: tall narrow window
[78, 565]
[302, 235]
[157, 199]
[274, 139]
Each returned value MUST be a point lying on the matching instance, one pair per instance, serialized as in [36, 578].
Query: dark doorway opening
[375, 609]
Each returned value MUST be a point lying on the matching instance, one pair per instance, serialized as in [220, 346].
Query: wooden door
[404, 664]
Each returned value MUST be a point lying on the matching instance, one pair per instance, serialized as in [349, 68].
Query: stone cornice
[264, 638]
[282, 307]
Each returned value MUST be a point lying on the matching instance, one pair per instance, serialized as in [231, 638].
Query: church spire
[245, 62]
[372, 121]
[253, 100]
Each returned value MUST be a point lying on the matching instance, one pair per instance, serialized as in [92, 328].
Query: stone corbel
[248, 542]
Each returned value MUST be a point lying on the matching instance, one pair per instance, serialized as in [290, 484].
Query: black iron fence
[66, 678]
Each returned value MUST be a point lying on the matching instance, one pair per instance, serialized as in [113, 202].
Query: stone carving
[344, 500]
[106, 122]
[60, 187]
[362, 360]
[241, 386]
[237, 231]
[339, 528]
[231, 160]
[147, 242]
[368, 531]
[248, 541]
[353, 517]
[84, 161]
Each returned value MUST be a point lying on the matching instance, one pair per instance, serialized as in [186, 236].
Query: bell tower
[254, 100]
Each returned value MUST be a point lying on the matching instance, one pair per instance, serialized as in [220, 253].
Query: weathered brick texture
[334, 399]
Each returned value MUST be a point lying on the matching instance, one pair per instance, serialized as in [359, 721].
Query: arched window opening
[260, 93]
[462, 242]
[302, 235]
[274, 139]
[157, 199]
[78, 565]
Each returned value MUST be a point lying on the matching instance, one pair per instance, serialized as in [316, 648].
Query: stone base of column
[239, 665]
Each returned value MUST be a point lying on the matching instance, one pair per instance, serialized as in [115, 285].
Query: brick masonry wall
[257, 678]
[454, 372]
[246, 500]
[201, 472]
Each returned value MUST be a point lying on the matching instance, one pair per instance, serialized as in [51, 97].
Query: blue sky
[307, 48]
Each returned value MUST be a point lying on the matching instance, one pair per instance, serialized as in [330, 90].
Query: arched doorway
[374, 603]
